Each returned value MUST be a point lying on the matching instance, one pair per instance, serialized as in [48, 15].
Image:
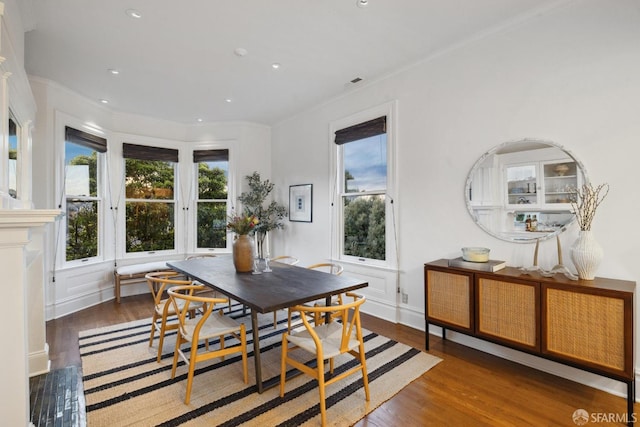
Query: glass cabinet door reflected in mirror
[521, 191]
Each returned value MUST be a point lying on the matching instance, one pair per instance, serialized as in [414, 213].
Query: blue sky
[366, 160]
[73, 150]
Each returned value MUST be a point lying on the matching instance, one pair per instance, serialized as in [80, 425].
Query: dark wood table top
[284, 287]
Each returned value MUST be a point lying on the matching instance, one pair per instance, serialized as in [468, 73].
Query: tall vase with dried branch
[586, 253]
[270, 214]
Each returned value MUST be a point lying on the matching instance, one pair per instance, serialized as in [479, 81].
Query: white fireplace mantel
[22, 290]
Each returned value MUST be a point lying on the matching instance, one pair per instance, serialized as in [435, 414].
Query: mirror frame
[502, 147]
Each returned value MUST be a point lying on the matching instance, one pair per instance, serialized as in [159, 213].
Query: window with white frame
[82, 189]
[150, 179]
[212, 175]
[364, 223]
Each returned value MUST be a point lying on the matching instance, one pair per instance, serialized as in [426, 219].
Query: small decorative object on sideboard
[491, 265]
[586, 253]
[475, 254]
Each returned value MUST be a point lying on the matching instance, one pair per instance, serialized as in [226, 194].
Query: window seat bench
[130, 274]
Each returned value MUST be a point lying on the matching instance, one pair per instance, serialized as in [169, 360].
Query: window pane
[13, 159]
[212, 180]
[364, 226]
[212, 204]
[82, 229]
[81, 189]
[212, 225]
[149, 179]
[150, 226]
[365, 164]
[80, 170]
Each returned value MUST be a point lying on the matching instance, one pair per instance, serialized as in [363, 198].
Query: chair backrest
[329, 267]
[286, 259]
[185, 297]
[159, 280]
[348, 314]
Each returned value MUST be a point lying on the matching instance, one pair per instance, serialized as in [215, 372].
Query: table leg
[256, 349]
[327, 315]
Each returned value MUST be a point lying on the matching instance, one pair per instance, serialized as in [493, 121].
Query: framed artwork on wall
[300, 202]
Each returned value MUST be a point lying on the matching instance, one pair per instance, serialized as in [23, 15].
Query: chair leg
[153, 328]
[275, 319]
[192, 365]
[176, 353]
[321, 389]
[365, 376]
[221, 339]
[283, 361]
[163, 327]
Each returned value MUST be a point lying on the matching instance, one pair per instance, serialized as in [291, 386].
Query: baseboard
[39, 362]
[380, 310]
[71, 305]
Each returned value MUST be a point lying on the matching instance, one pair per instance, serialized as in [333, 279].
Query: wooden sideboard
[584, 324]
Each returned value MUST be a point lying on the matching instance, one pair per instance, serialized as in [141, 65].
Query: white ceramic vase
[586, 255]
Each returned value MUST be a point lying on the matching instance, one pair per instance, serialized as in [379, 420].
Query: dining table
[283, 287]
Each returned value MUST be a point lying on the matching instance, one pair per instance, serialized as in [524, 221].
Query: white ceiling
[177, 62]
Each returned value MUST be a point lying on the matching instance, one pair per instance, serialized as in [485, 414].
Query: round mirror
[521, 191]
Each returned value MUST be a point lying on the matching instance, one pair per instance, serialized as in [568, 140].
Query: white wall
[571, 76]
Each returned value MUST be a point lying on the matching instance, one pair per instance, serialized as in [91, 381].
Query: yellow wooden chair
[328, 267]
[162, 309]
[286, 259]
[204, 328]
[326, 341]
[332, 268]
[207, 291]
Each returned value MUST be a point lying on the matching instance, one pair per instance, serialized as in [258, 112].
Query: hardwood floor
[469, 388]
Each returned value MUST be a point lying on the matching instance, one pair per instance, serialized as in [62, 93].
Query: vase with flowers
[243, 246]
[586, 253]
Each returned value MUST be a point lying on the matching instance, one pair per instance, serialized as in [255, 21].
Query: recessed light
[134, 13]
[275, 65]
[104, 101]
[362, 3]
[114, 71]
[228, 100]
[240, 52]
[199, 120]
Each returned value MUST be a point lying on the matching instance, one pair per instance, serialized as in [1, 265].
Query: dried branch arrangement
[585, 202]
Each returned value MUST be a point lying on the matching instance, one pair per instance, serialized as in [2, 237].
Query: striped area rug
[125, 386]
